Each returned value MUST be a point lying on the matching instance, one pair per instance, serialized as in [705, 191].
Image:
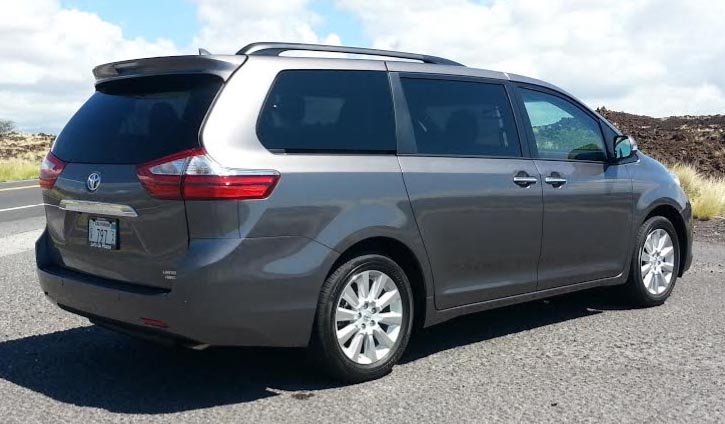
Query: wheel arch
[405, 257]
[672, 214]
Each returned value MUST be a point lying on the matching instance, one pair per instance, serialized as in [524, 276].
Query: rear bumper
[241, 292]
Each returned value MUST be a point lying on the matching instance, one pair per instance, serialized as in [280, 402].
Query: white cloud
[658, 57]
[47, 56]
[228, 25]
[48, 52]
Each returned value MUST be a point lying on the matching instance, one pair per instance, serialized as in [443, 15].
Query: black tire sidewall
[334, 358]
[637, 287]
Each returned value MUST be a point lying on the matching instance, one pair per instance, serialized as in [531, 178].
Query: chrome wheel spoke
[344, 315]
[661, 240]
[363, 285]
[656, 282]
[660, 282]
[667, 251]
[387, 298]
[370, 351]
[377, 286]
[355, 346]
[648, 280]
[666, 266]
[350, 297]
[383, 338]
[391, 318]
[649, 244]
[653, 241]
[345, 333]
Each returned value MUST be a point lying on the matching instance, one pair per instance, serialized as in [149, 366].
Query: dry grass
[707, 194]
[21, 154]
[17, 169]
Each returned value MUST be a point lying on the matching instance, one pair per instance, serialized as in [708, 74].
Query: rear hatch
[101, 219]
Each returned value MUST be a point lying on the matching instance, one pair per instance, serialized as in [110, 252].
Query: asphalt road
[578, 358]
[21, 199]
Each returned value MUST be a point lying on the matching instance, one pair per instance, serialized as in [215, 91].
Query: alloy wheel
[369, 317]
[657, 261]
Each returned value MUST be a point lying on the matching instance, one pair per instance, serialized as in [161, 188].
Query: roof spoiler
[221, 66]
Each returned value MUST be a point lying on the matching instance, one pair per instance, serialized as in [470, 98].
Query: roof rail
[274, 49]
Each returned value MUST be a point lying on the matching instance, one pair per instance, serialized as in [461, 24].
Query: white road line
[18, 188]
[19, 181]
[32, 180]
[18, 243]
[21, 207]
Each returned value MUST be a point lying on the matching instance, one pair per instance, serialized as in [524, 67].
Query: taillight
[162, 177]
[50, 169]
[193, 175]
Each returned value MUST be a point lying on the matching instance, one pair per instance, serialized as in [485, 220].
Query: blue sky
[142, 18]
[343, 23]
[653, 57]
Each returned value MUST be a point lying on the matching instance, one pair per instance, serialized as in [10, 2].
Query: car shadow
[510, 320]
[93, 367]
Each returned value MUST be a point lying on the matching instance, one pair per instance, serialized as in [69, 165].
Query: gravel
[577, 358]
[712, 230]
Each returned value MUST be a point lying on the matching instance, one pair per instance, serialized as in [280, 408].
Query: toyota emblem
[94, 181]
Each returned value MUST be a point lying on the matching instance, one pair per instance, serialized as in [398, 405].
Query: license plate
[103, 233]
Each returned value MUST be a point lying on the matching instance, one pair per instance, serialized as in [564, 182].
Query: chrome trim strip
[99, 208]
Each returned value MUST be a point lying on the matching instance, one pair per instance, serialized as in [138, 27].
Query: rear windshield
[138, 119]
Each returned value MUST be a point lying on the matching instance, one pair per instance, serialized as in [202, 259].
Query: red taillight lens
[192, 175]
[50, 169]
[210, 187]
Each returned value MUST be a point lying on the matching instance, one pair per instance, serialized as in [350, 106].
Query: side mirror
[624, 147]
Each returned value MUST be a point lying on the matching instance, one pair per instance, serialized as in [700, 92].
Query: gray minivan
[260, 199]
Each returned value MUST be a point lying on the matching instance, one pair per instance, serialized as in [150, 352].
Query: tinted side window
[461, 118]
[562, 130]
[329, 111]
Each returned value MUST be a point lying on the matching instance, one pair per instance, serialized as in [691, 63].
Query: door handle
[525, 181]
[555, 181]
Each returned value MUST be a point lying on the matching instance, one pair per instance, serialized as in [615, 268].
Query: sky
[653, 57]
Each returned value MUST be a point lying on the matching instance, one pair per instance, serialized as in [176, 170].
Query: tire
[653, 289]
[356, 330]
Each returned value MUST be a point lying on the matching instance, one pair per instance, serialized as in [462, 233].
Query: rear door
[100, 218]
[476, 199]
[587, 201]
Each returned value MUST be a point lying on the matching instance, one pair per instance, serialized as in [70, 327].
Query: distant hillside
[25, 147]
[696, 140]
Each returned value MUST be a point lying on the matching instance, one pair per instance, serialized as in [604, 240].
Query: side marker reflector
[154, 322]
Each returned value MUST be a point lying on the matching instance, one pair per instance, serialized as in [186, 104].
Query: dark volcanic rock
[697, 140]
